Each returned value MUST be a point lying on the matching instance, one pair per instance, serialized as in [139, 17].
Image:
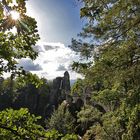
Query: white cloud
[52, 62]
[54, 59]
[29, 65]
[61, 68]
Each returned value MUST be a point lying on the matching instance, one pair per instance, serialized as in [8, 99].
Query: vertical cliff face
[58, 93]
[44, 100]
[37, 101]
[60, 89]
[45, 103]
[55, 92]
[66, 82]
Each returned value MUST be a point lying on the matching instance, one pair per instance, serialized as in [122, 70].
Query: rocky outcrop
[44, 103]
[59, 91]
[66, 82]
[44, 100]
[55, 91]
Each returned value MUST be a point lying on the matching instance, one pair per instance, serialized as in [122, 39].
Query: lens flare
[15, 15]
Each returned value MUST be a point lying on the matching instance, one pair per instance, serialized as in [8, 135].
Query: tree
[62, 120]
[78, 88]
[7, 93]
[19, 44]
[112, 34]
[109, 23]
[20, 125]
[87, 117]
[17, 124]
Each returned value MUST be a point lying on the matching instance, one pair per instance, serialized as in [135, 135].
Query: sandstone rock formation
[44, 103]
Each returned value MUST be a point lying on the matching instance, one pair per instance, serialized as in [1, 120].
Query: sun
[15, 15]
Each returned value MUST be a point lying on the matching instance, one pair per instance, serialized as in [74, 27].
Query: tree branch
[10, 129]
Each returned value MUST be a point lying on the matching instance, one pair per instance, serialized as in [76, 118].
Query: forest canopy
[112, 31]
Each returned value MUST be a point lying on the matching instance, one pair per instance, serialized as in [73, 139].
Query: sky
[58, 22]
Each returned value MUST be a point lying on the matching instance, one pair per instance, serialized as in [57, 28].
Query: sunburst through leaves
[15, 15]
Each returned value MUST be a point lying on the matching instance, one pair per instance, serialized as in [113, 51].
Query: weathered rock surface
[44, 103]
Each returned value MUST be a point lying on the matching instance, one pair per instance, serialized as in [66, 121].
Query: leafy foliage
[78, 87]
[19, 124]
[53, 134]
[19, 44]
[62, 120]
[70, 137]
[88, 116]
[112, 38]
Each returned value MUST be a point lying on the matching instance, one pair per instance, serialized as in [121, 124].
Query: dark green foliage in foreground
[113, 28]
[19, 44]
[55, 135]
[19, 125]
[62, 120]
